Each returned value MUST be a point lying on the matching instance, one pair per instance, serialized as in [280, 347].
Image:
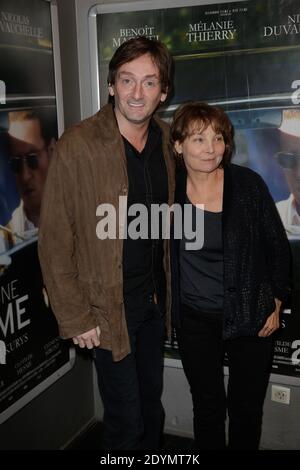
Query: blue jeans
[131, 388]
[249, 360]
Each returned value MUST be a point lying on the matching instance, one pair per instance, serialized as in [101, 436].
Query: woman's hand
[273, 321]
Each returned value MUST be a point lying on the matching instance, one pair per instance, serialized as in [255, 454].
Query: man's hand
[273, 322]
[89, 339]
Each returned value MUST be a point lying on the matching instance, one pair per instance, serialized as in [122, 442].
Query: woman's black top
[201, 270]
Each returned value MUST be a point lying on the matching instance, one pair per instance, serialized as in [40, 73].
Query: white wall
[281, 423]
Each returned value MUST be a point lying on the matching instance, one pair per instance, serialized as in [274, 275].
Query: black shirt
[201, 271]
[143, 272]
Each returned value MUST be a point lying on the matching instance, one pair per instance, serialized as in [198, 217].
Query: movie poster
[32, 356]
[243, 56]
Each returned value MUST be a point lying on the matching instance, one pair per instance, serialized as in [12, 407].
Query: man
[110, 292]
[289, 159]
[6, 239]
[31, 142]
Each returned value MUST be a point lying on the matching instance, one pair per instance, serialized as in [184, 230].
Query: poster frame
[136, 6]
[62, 370]
[57, 66]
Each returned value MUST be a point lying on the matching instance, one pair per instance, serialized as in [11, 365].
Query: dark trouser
[249, 358]
[131, 388]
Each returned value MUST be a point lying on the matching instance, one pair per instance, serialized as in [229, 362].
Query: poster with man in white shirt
[289, 159]
[31, 143]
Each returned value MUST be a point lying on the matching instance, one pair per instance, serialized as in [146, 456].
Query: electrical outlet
[280, 394]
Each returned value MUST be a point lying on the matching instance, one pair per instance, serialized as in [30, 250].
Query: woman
[226, 295]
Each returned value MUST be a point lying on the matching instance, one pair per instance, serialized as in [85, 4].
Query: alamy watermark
[154, 223]
[2, 92]
[2, 352]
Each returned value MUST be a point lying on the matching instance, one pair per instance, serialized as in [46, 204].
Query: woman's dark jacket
[255, 248]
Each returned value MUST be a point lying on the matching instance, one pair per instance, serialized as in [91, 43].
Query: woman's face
[202, 149]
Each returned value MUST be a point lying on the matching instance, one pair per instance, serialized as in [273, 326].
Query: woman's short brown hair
[135, 48]
[198, 116]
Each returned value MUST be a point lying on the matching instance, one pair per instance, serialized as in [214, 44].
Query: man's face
[137, 91]
[26, 141]
[293, 180]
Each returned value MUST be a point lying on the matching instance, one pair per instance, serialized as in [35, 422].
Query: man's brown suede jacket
[82, 273]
